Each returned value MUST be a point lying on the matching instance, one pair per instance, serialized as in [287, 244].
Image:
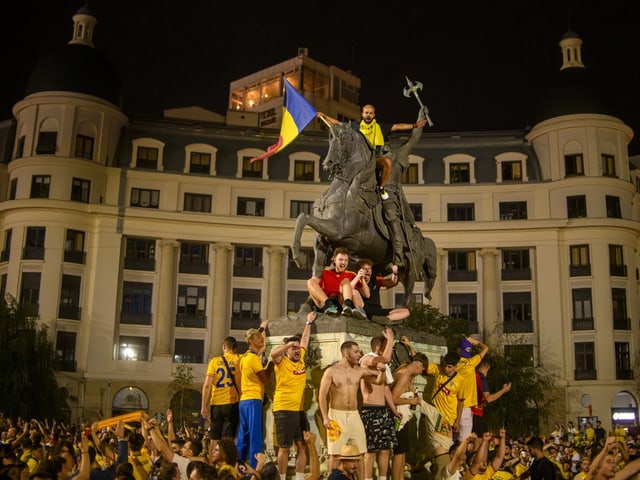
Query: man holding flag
[296, 115]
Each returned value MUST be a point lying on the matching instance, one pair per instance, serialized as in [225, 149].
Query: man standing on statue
[390, 172]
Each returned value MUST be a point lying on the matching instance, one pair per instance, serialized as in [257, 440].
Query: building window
[133, 349]
[582, 310]
[516, 264]
[464, 306]
[577, 206]
[40, 185]
[410, 176]
[247, 262]
[147, 157]
[608, 165]
[70, 297]
[585, 360]
[3, 288]
[621, 320]
[517, 312]
[74, 246]
[20, 147]
[573, 165]
[47, 143]
[13, 188]
[197, 202]
[511, 171]
[34, 244]
[251, 206]
[304, 170]
[513, 210]
[462, 266]
[296, 207]
[194, 258]
[142, 197]
[30, 293]
[66, 351]
[136, 303]
[140, 254]
[623, 361]
[188, 351]
[617, 268]
[245, 308]
[252, 170]
[459, 173]
[306, 269]
[6, 251]
[416, 210]
[84, 147]
[192, 305]
[521, 355]
[295, 300]
[613, 206]
[460, 212]
[80, 190]
[579, 263]
[200, 163]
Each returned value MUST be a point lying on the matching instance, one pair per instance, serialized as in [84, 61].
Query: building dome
[574, 89]
[78, 66]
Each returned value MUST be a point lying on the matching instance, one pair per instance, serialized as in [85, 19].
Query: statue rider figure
[389, 171]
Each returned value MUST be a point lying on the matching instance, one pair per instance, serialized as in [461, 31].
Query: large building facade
[141, 243]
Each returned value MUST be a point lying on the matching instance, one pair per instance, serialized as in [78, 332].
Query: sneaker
[330, 308]
[383, 194]
[347, 308]
[359, 313]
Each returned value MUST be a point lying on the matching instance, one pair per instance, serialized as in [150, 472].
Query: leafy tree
[530, 397]
[181, 384]
[27, 381]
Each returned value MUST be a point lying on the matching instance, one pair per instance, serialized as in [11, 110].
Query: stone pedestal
[327, 335]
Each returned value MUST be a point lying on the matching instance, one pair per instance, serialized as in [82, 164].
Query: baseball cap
[252, 331]
[466, 348]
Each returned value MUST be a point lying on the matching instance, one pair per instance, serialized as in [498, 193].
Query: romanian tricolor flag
[297, 113]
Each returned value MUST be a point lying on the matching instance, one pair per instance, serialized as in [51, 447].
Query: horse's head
[349, 152]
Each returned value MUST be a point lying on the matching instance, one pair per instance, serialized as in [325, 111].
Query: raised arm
[306, 333]
[499, 457]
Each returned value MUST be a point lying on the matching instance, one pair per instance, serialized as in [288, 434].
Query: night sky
[484, 65]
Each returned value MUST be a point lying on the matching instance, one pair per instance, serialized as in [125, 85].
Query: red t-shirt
[330, 281]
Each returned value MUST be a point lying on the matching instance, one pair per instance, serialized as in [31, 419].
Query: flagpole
[321, 116]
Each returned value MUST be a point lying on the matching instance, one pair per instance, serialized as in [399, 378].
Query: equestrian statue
[350, 213]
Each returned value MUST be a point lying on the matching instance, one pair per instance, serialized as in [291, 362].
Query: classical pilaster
[275, 283]
[221, 296]
[489, 291]
[439, 288]
[166, 295]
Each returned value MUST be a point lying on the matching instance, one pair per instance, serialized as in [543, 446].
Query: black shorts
[404, 440]
[372, 310]
[379, 425]
[289, 426]
[224, 421]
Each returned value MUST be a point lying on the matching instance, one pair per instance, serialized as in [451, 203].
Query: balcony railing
[618, 270]
[4, 256]
[191, 321]
[516, 274]
[199, 268]
[295, 273]
[585, 374]
[579, 270]
[74, 256]
[146, 264]
[71, 312]
[624, 374]
[622, 324]
[462, 275]
[252, 272]
[135, 318]
[33, 253]
[518, 326]
[66, 365]
[582, 323]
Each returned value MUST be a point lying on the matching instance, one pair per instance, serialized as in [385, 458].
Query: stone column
[220, 297]
[490, 313]
[166, 296]
[275, 284]
[439, 288]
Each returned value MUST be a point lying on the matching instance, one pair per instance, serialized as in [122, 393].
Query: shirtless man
[338, 401]
[378, 409]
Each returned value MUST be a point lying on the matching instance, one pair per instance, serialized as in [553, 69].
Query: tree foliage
[27, 381]
[530, 398]
[181, 384]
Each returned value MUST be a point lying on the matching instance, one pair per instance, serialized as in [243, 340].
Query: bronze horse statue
[349, 214]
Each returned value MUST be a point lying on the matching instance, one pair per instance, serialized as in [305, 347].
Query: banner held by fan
[297, 113]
